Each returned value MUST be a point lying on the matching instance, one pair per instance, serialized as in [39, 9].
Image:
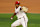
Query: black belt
[21, 17]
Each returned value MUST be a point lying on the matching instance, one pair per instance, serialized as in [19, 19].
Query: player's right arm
[13, 15]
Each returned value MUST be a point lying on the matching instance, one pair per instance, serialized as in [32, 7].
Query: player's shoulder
[20, 6]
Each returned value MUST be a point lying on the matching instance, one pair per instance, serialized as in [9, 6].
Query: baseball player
[21, 16]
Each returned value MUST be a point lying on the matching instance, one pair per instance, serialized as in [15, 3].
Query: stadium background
[7, 8]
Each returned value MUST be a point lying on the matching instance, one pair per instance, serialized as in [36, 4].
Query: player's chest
[17, 9]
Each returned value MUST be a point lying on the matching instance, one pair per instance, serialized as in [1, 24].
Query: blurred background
[7, 8]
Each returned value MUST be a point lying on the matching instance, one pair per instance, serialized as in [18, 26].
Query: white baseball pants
[23, 21]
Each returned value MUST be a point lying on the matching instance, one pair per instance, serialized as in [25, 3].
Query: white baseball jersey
[19, 12]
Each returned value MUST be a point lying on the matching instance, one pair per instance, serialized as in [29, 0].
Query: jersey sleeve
[20, 7]
[16, 11]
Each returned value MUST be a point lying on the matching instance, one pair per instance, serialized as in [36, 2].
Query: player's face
[17, 5]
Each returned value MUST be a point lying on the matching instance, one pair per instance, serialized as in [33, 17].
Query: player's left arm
[21, 9]
[13, 15]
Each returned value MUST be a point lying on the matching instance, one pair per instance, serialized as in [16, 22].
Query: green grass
[34, 20]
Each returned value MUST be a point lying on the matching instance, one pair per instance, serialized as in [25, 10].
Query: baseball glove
[24, 9]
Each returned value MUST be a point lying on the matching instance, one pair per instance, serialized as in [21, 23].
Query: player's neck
[17, 7]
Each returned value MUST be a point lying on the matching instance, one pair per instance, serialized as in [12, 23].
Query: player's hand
[11, 18]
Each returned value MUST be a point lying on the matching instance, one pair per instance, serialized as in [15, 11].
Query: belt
[21, 17]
